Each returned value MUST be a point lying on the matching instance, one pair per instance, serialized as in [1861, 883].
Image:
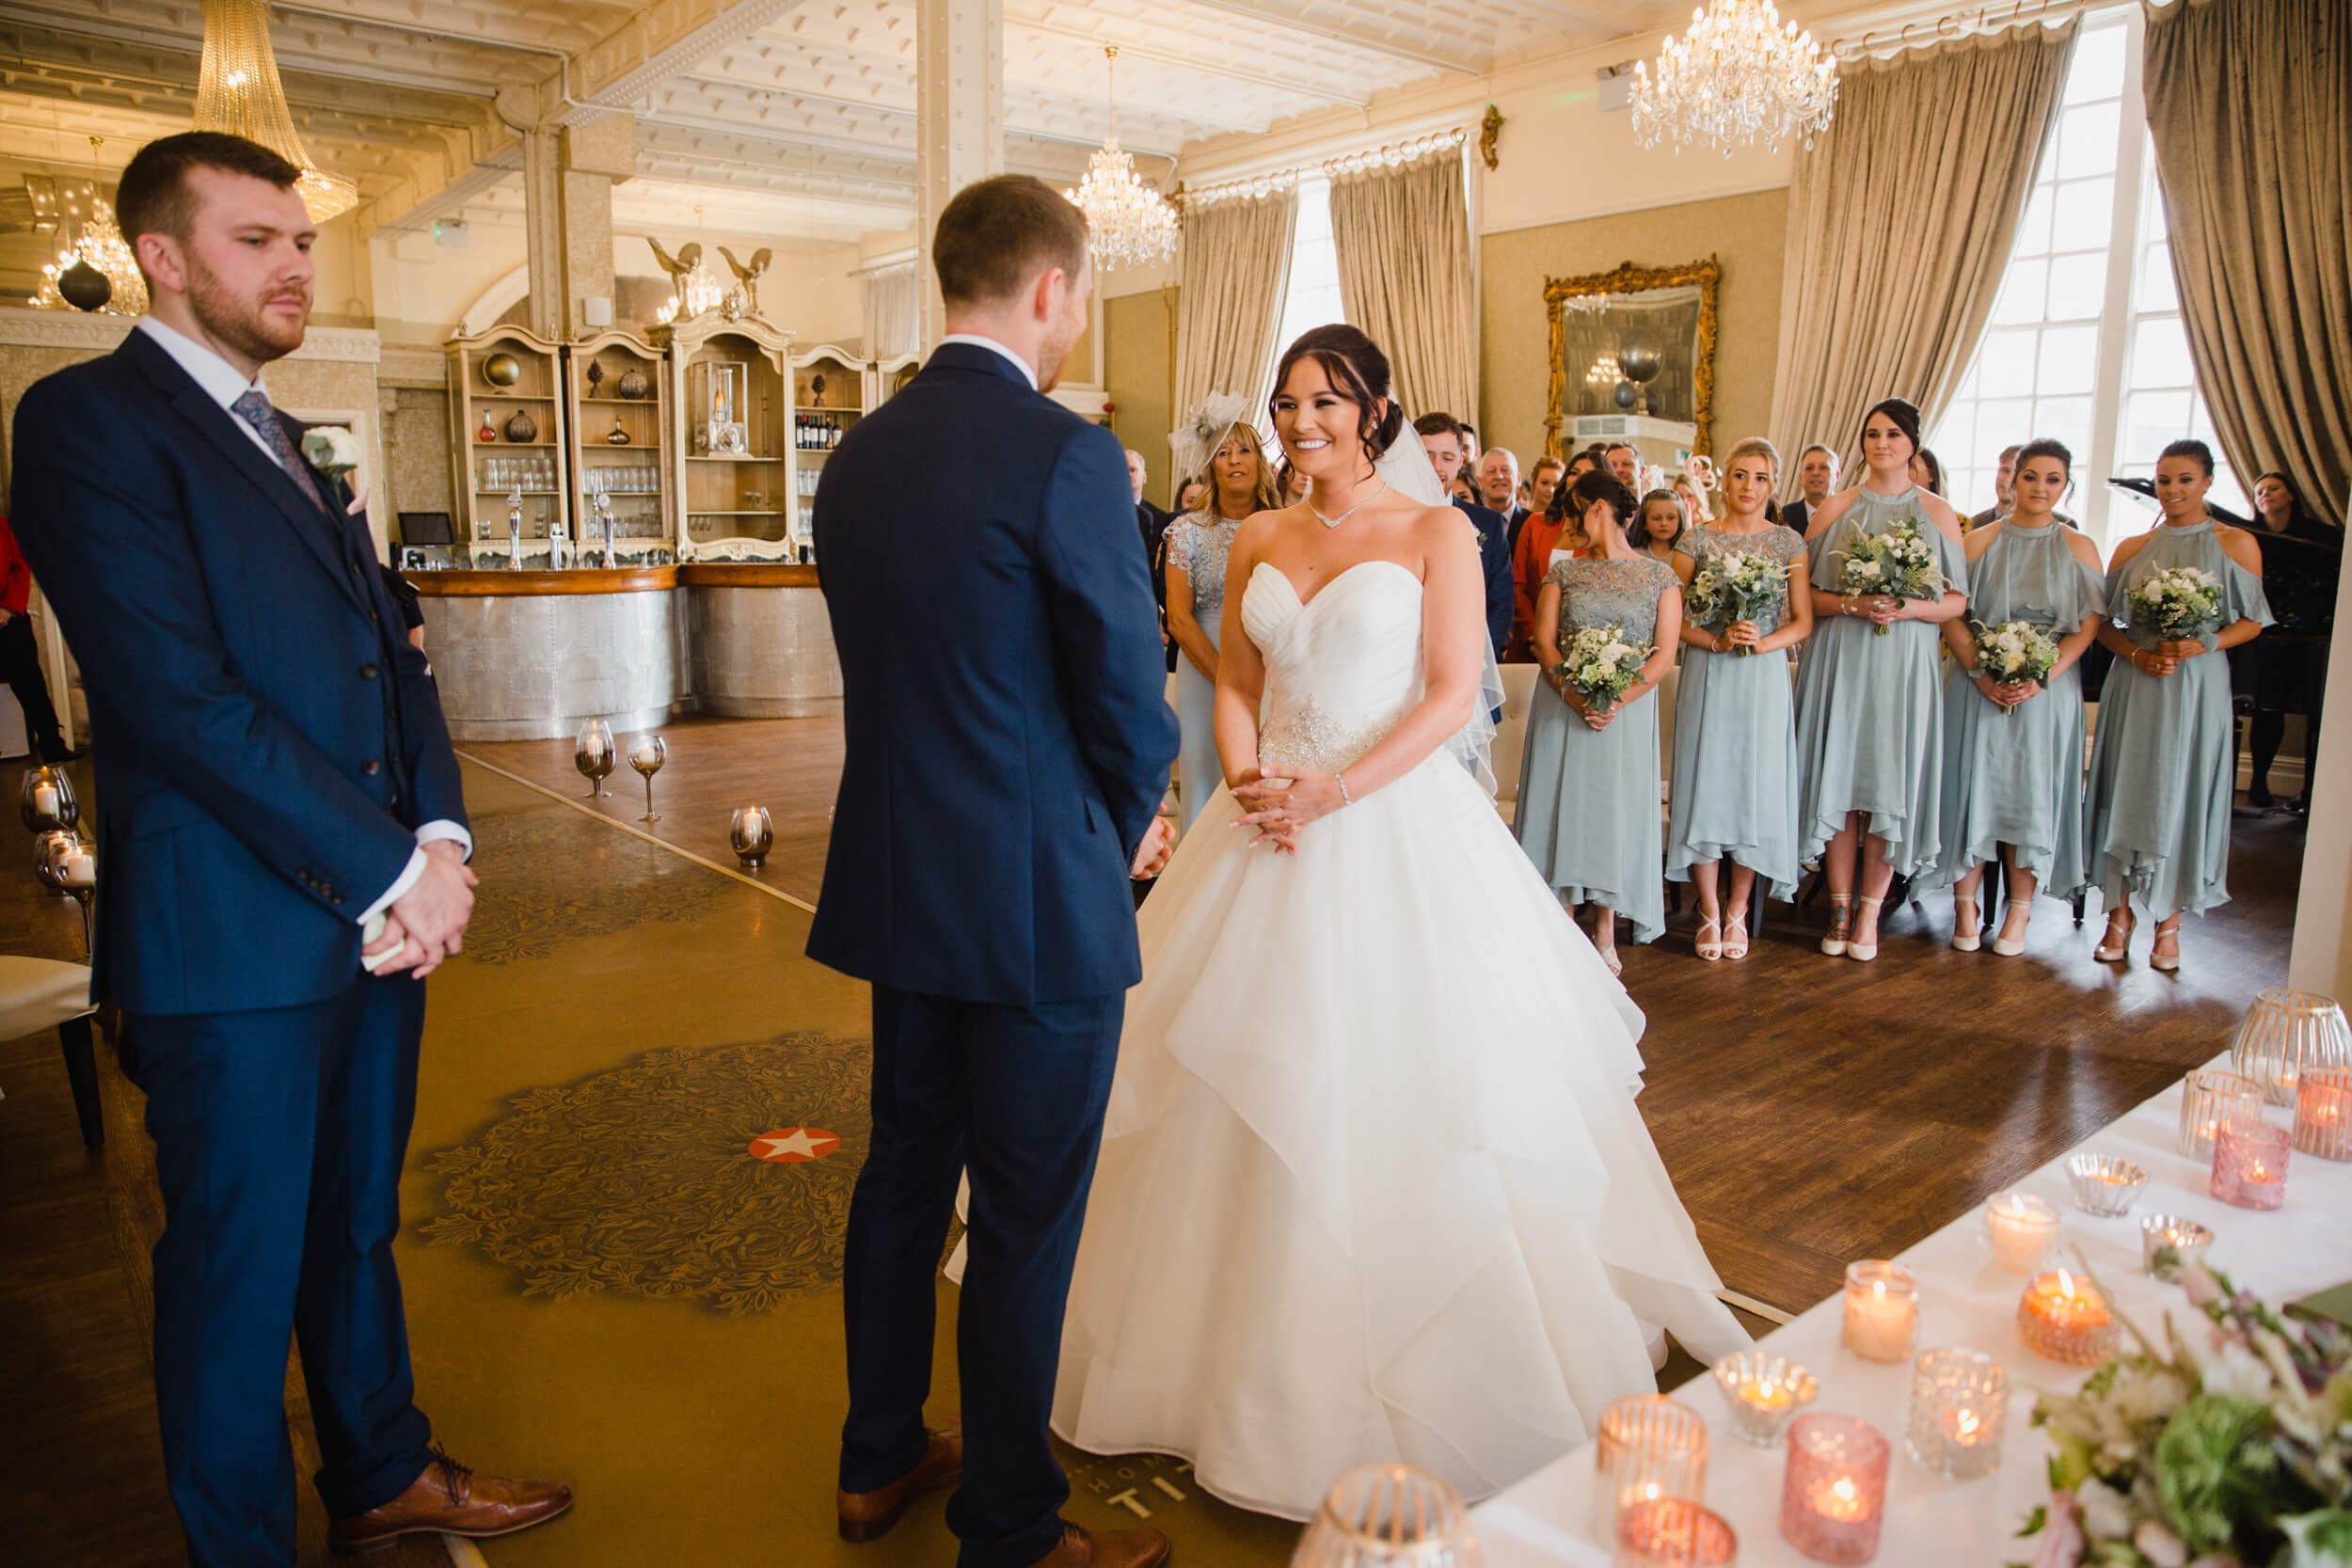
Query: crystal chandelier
[1129, 222]
[1737, 75]
[237, 92]
[697, 291]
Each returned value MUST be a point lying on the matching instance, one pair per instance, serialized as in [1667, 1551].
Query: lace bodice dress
[1199, 541]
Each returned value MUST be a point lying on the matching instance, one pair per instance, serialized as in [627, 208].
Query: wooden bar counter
[535, 655]
[759, 645]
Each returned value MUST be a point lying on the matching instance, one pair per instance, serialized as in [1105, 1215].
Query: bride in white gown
[1372, 1184]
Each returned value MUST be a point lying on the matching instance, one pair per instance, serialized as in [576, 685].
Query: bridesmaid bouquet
[2013, 653]
[1898, 563]
[2178, 603]
[1735, 586]
[1602, 665]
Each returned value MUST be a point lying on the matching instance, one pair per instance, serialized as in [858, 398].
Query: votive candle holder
[1762, 1392]
[2067, 1320]
[2022, 1228]
[2284, 1033]
[1958, 1408]
[2323, 1113]
[1674, 1532]
[1881, 1321]
[2250, 1165]
[1833, 1495]
[2210, 1097]
[2105, 1184]
[2168, 1243]
[1650, 1447]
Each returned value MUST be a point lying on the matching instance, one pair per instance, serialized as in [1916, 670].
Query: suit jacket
[1494, 555]
[266, 742]
[1797, 514]
[1008, 742]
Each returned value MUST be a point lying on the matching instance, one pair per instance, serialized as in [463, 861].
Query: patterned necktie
[254, 410]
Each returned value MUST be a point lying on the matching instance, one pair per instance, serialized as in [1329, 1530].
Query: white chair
[1510, 742]
[43, 993]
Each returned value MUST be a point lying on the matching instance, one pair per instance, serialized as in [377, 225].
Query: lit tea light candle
[2210, 1097]
[645, 753]
[2250, 1165]
[1881, 1321]
[1674, 1532]
[46, 798]
[81, 868]
[2067, 1320]
[1958, 1405]
[1842, 1499]
[2167, 1242]
[1834, 1491]
[2105, 1184]
[2021, 1227]
[2323, 1112]
[1761, 1391]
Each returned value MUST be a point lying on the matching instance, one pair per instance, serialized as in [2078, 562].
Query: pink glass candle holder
[2250, 1165]
[1881, 1321]
[1674, 1532]
[1833, 1497]
[1958, 1407]
[2067, 1320]
[2323, 1112]
[2210, 1097]
[1650, 1447]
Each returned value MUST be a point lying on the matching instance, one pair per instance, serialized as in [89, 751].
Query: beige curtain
[1236, 269]
[1901, 220]
[893, 301]
[1402, 238]
[2251, 106]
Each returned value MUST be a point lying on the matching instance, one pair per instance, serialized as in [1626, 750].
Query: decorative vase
[84, 286]
[488, 432]
[633, 386]
[616, 437]
[521, 428]
[502, 370]
[596, 376]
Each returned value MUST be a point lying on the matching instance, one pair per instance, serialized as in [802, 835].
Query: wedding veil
[1406, 466]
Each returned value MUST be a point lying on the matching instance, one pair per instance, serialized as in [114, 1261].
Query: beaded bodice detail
[1341, 669]
[1598, 591]
[1199, 543]
[1777, 543]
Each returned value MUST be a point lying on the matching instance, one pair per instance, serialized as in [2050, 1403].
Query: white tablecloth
[1965, 1300]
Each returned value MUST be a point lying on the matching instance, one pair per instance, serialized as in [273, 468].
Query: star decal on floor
[793, 1145]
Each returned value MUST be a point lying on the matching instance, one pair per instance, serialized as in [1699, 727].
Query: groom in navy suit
[284, 859]
[1008, 747]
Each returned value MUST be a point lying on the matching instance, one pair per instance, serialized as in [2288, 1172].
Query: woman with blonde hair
[1241, 483]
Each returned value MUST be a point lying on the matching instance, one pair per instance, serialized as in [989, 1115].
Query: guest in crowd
[2013, 752]
[1665, 520]
[2284, 671]
[2160, 766]
[20, 661]
[1548, 538]
[1869, 707]
[1734, 795]
[1463, 492]
[1442, 437]
[1498, 491]
[1191, 496]
[1927, 471]
[1588, 812]
[1817, 476]
[1295, 486]
[1543, 482]
[1694, 501]
[1196, 547]
[1151, 523]
[1622, 459]
[2004, 491]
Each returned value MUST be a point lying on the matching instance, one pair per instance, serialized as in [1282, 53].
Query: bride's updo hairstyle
[1357, 371]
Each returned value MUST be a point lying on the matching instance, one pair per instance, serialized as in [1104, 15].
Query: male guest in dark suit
[274, 780]
[1151, 523]
[1442, 435]
[1006, 749]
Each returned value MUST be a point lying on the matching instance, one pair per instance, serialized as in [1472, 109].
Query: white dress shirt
[220, 382]
[974, 338]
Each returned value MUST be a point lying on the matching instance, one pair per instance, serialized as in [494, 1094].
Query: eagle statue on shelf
[681, 267]
[749, 276]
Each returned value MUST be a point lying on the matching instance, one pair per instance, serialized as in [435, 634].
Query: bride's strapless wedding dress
[1372, 1185]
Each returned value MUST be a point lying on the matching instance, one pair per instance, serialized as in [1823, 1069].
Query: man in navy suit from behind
[1444, 437]
[1006, 748]
[273, 777]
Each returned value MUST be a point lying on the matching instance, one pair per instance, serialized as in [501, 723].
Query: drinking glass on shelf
[593, 754]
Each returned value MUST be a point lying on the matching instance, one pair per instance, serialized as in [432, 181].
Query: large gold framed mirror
[1634, 344]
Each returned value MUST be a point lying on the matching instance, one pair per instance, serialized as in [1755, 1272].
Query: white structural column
[959, 114]
[2322, 958]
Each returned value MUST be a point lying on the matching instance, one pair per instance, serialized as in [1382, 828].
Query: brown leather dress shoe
[449, 1500]
[867, 1515]
[1113, 1548]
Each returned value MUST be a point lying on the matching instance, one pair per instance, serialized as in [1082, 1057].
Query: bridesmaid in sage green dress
[1734, 742]
[1870, 708]
[2161, 766]
[2013, 753]
[1588, 812]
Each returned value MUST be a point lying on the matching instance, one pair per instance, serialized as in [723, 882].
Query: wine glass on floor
[592, 755]
[647, 756]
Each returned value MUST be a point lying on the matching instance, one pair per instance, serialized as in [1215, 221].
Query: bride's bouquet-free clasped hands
[2178, 603]
[1601, 665]
[1898, 563]
[2014, 653]
[1728, 588]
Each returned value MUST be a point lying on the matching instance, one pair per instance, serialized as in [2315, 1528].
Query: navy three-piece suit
[267, 743]
[1008, 745]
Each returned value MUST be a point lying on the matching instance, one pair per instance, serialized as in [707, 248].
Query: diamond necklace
[1334, 522]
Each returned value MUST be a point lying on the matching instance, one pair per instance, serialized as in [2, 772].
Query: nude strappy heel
[1735, 936]
[1964, 937]
[1710, 951]
[1863, 952]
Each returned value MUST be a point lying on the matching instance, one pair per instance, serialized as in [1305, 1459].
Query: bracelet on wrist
[1345, 798]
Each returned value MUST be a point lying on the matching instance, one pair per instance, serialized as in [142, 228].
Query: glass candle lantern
[1882, 1311]
[1386, 1516]
[2210, 1097]
[2168, 1243]
[2067, 1320]
[1958, 1406]
[2021, 1228]
[2250, 1165]
[1832, 1496]
[2105, 1184]
[1674, 1532]
[2323, 1112]
[1762, 1391]
[2284, 1033]
[1650, 1447]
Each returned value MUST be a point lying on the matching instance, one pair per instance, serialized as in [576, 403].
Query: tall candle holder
[1832, 1496]
[1762, 1391]
[647, 756]
[1958, 1406]
[2210, 1097]
[1386, 1516]
[2323, 1113]
[1881, 1321]
[2284, 1033]
[2250, 1165]
[1650, 1447]
[1674, 1532]
[593, 754]
[2067, 1320]
[45, 802]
